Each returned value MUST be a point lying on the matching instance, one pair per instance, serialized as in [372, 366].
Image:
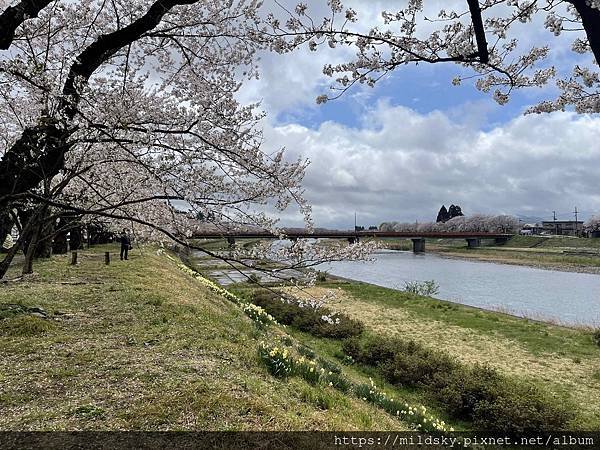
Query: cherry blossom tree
[482, 36]
[120, 109]
[592, 224]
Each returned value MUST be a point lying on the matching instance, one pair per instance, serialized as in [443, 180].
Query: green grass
[562, 360]
[537, 337]
[141, 345]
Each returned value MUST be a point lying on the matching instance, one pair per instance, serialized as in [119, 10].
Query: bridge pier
[473, 242]
[418, 245]
[500, 240]
[231, 241]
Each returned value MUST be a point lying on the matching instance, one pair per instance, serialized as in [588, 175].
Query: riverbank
[566, 254]
[560, 360]
[142, 345]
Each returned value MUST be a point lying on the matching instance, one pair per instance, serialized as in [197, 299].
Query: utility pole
[354, 220]
[576, 230]
[555, 230]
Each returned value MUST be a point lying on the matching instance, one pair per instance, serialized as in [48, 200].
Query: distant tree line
[475, 223]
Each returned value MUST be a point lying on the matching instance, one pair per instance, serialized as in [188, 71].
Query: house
[565, 227]
[531, 228]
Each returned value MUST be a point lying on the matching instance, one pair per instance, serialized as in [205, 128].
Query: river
[567, 297]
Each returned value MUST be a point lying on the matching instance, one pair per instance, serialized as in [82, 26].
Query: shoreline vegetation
[559, 359]
[157, 345]
[566, 254]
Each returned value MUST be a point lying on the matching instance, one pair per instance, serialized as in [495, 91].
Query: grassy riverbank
[557, 253]
[561, 361]
[143, 345]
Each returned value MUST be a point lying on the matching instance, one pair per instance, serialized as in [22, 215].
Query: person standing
[125, 244]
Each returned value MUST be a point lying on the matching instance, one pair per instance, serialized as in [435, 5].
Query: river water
[568, 297]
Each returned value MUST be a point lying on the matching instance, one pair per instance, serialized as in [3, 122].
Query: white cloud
[402, 165]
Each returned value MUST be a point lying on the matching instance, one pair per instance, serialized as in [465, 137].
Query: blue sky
[423, 90]
[400, 150]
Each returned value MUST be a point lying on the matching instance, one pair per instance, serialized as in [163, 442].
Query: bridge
[418, 239]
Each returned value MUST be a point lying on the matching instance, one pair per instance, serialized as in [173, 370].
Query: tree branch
[590, 18]
[14, 16]
[477, 21]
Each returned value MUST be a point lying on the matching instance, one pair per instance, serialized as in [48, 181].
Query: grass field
[142, 345]
[564, 361]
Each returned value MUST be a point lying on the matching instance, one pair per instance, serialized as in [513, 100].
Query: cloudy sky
[414, 142]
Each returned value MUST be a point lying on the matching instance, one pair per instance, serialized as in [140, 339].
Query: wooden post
[73, 258]
[107, 258]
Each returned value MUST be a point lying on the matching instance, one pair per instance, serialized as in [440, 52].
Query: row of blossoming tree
[476, 223]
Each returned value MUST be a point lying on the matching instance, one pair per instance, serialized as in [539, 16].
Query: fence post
[107, 258]
[73, 258]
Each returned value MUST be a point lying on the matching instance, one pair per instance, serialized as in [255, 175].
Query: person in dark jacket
[125, 244]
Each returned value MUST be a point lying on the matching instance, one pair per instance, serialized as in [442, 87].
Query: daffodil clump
[258, 315]
[282, 363]
[254, 312]
[415, 415]
[278, 360]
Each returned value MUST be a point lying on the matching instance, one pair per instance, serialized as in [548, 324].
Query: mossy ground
[142, 345]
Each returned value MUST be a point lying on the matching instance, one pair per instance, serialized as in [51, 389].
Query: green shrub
[425, 288]
[521, 408]
[374, 351]
[497, 403]
[415, 365]
[306, 318]
[480, 394]
[462, 389]
[351, 348]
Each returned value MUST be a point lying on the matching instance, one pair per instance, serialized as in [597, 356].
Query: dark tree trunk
[30, 253]
[76, 241]
[13, 16]
[25, 216]
[6, 225]
[59, 244]
[44, 246]
[5, 264]
[590, 18]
